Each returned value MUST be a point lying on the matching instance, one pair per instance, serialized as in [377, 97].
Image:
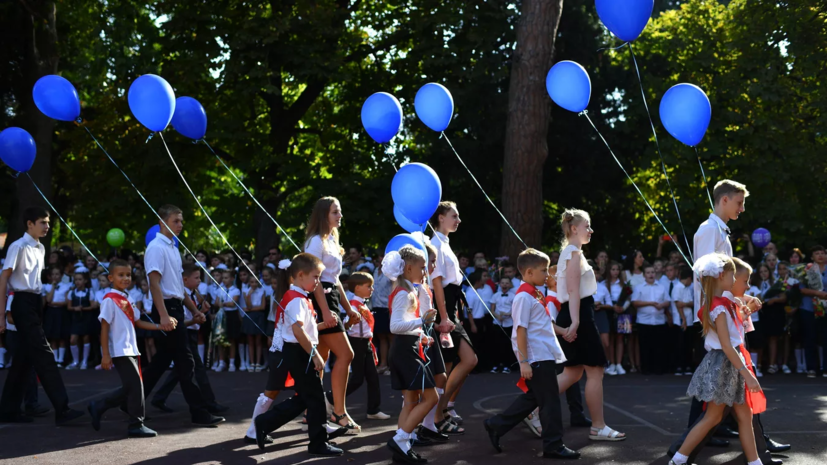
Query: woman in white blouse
[323, 242]
[576, 286]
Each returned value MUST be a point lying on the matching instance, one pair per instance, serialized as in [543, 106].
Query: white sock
[680, 459]
[75, 356]
[86, 348]
[242, 352]
[61, 354]
[450, 405]
[262, 405]
[201, 351]
[755, 462]
[754, 357]
[402, 440]
[428, 422]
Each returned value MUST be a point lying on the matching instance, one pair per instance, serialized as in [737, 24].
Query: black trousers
[174, 346]
[543, 392]
[503, 354]
[654, 343]
[363, 369]
[309, 396]
[484, 342]
[30, 399]
[131, 393]
[200, 375]
[33, 350]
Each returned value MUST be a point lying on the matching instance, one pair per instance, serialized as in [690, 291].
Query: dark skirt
[82, 323]
[278, 372]
[587, 348]
[601, 320]
[454, 298]
[254, 323]
[53, 322]
[381, 320]
[331, 295]
[232, 324]
[408, 371]
[756, 339]
[66, 323]
[773, 320]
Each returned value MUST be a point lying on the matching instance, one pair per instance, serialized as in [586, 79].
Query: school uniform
[601, 317]
[407, 357]
[652, 329]
[232, 318]
[269, 310]
[382, 287]
[434, 353]
[363, 366]
[574, 398]
[544, 353]
[478, 303]
[502, 327]
[447, 268]
[146, 302]
[297, 307]
[82, 321]
[587, 348]
[53, 324]
[683, 340]
[330, 253]
[755, 339]
[256, 321]
[13, 342]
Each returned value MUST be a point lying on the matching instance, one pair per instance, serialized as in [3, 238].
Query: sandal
[446, 426]
[352, 427]
[450, 412]
[606, 434]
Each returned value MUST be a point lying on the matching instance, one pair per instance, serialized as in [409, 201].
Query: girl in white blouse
[323, 242]
[576, 286]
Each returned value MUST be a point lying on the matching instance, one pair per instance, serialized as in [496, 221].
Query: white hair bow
[393, 265]
[284, 264]
[709, 265]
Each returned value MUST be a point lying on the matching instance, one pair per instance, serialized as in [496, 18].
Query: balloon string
[662, 163]
[240, 260]
[161, 221]
[706, 184]
[251, 195]
[65, 223]
[483, 190]
[586, 114]
[615, 48]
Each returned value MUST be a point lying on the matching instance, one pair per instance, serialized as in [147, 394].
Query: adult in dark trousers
[31, 404]
[163, 267]
[192, 278]
[21, 272]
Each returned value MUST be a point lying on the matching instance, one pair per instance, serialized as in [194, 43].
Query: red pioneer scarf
[285, 300]
[126, 306]
[416, 313]
[368, 316]
[529, 289]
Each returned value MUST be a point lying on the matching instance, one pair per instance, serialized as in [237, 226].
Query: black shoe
[772, 461]
[15, 418]
[162, 406]
[432, 435]
[422, 441]
[96, 413]
[726, 432]
[772, 446]
[493, 436]
[207, 420]
[261, 435]
[417, 457]
[217, 408]
[339, 432]
[267, 440]
[141, 432]
[581, 422]
[717, 442]
[67, 417]
[411, 458]
[37, 411]
[562, 452]
[325, 450]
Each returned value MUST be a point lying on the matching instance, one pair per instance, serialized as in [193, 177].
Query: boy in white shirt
[536, 347]
[503, 326]
[650, 300]
[682, 332]
[120, 349]
[479, 319]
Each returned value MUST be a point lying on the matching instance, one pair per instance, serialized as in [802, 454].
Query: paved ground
[652, 410]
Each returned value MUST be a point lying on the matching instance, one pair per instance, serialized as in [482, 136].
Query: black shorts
[278, 372]
[331, 294]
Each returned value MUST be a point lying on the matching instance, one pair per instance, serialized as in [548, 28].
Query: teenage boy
[651, 301]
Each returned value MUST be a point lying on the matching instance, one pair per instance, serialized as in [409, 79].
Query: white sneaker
[786, 369]
[232, 367]
[619, 369]
[214, 366]
[611, 371]
[72, 366]
[84, 366]
[378, 416]
[220, 368]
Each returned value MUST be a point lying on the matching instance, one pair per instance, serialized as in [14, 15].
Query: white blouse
[447, 264]
[588, 282]
[736, 334]
[403, 314]
[635, 280]
[330, 253]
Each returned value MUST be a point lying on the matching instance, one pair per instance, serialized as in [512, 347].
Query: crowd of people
[424, 316]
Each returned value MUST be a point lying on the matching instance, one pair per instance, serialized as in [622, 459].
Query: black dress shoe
[207, 420]
[773, 446]
[493, 436]
[162, 406]
[726, 432]
[581, 422]
[432, 435]
[217, 408]
[141, 432]
[421, 441]
[770, 461]
[96, 413]
[339, 432]
[267, 439]
[402, 457]
[15, 418]
[64, 418]
[37, 411]
[562, 453]
[325, 450]
[261, 434]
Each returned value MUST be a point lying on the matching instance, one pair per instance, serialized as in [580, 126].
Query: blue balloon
[402, 240]
[57, 98]
[17, 149]
[190, 119]
[761, 237]
[382, 116]
[150, 235]
[152, 101]
[406, 224]
[434, 106]
[416, 190]
[568, 84]
[625, 18]
[685, 112]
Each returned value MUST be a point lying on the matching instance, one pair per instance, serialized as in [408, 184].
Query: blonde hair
[319, 224]
[728, 188]
[571, 217]
[709, 284]
[741, 266]
[410, 255]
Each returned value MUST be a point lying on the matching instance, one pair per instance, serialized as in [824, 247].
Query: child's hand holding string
[430, 317]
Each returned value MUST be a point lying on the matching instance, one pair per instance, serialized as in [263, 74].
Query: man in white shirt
[651, 301]
[21, 272]
[163, 267]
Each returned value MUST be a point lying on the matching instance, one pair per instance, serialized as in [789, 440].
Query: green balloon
[115, 237]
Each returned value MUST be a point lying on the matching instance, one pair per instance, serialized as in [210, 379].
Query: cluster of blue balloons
[685, 110]
[382, 113]
[416, 191]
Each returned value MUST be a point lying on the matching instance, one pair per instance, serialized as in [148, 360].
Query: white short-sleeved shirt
[503, 303]
[479, 300]
[362, 328]
[135, 295]
[298, 311]
[712, 236]
[330, 253]
[650, 293]
[101, 293]
[447, 264]
[635, 280]
[530, 313]
[403, 314]
[242, 301]
[602, 296]
[665, 282]
[25, 257]
[681, 293]
[122, 339]
[736, 334]
[60, 293]
[203, 289]
[146, 299]
[256, 297]
[382, 286]
[588, 282]
[162, 256]
[226, 295]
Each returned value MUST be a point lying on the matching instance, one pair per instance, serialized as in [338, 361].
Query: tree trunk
[529, 109]
[41, 58]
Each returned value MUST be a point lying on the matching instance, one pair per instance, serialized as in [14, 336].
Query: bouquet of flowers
[625, 295]
[810, 275]
[624, 320]
[219, 330]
